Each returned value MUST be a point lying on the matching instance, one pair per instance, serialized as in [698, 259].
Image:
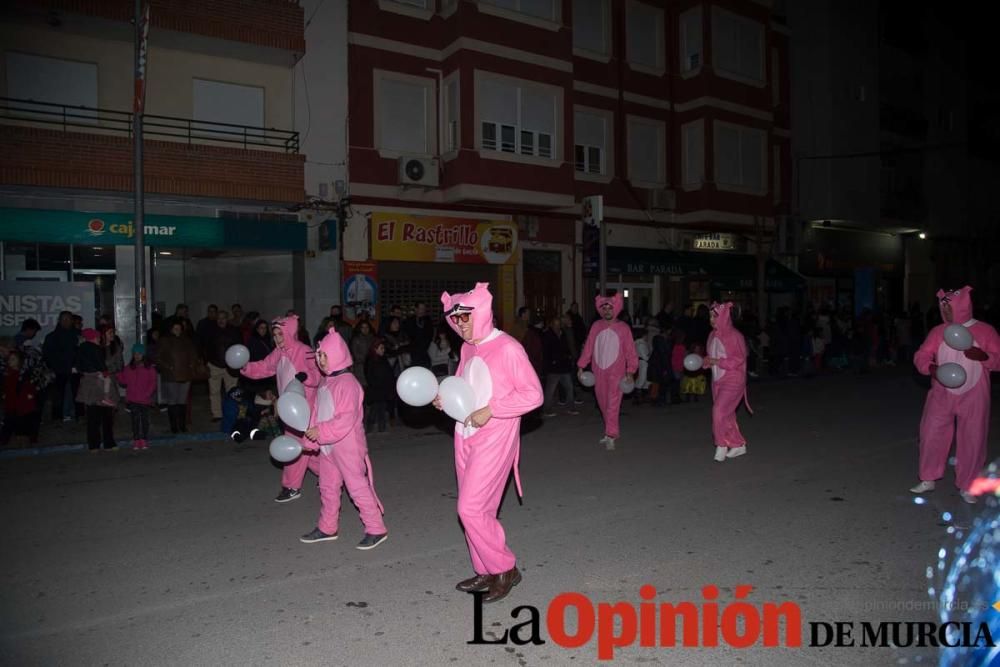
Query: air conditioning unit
[420, 171]
[662, 199]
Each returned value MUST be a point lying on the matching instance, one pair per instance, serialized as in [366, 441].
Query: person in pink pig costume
[289, 360]
[612, 350]
[727, 357]
[488, 444]
[968, 405]
[336, 429]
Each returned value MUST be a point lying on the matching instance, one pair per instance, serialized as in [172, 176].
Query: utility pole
[141, 34]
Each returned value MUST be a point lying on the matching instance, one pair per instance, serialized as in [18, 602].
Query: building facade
[224, 160]
[486, 123]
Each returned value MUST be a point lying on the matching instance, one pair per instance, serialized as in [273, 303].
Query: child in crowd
[818, 349]
[139, 380]
[20, 401]
[693, 383]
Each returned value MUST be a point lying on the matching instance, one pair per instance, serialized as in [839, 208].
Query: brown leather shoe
[480, 582]
[502, 584]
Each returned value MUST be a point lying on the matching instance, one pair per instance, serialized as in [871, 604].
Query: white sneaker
[603, 441]
[923, 487]
[969, 498]
[609, 444]
[720, 454]
[736, 451]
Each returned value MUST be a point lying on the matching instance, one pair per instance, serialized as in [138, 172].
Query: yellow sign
[413, 238]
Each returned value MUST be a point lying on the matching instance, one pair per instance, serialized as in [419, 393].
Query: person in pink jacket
[727, 357]
[288, 361]
[139, 379]
[488, 443]
[968, 405]
[336, 429]
[612, 350]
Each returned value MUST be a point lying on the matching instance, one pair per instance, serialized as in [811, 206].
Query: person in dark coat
[420, 330]
[380, 391]
[59, 351]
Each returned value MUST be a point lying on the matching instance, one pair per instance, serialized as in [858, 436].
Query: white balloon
[295, 387]
[587, 379]
[417, 386]
[237, 356]
[693, 362]
[285, 449]
[626, 384]
[951, 375]
[294, 411]
[958, 337]
[457, 398]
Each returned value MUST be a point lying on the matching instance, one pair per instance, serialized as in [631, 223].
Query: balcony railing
[107, 121]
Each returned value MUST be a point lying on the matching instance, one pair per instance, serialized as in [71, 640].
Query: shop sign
[412, 238]
[714, 242]
[361, 291]
[43, 300]
[175, 231]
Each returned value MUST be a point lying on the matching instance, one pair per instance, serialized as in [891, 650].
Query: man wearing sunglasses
[488, 444]
[963, 412]
[611, 348]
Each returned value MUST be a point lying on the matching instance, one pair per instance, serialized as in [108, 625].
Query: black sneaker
[288, 495]
[317, 535]
[372, 541]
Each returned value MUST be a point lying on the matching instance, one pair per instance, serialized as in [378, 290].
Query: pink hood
[289, 328]
[616, 301]
[961, 304]
[478, 302]
[723, 317]
[338, 357]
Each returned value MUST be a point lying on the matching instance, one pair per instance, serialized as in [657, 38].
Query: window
[737, 47]
[645, 37]
[646, 152]
[590, 26]
[775, 78]
[516, 118]
[591, 130]
[404, 114]
[693, 154]
[422, 4]
[452, 114]
[776, 162]
[690, 40]
[448, 7]
[539, 9]
[421, 9]
[740, 158]
[218, 102]
[54, 81]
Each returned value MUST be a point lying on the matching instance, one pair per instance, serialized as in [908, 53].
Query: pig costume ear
[338, 357]
[478, 302]
[960, 301]
[723, 315]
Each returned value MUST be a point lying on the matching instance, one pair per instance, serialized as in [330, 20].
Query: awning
[726, 271]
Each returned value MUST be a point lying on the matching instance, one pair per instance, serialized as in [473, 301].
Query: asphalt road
[180, 557]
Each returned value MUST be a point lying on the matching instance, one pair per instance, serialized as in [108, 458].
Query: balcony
[275, 24]
[59, 146]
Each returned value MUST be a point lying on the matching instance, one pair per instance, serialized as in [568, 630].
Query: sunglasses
[460, 317]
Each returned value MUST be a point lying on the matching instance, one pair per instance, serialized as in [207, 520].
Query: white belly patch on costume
[324, 411]
[477, 374]
[606, 349]
[285, 374]
[973, 369]
[717, 351]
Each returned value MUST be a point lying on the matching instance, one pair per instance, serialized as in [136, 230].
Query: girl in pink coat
[290, 358]
[488, 444]
[611, 349]
[727, 357]
[336, 429]
[968, 405]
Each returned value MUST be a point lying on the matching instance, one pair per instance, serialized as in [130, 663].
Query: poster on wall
[412, 238]
[43, 300]
[360, 291]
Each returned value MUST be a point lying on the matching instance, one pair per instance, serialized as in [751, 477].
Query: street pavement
[179, 556]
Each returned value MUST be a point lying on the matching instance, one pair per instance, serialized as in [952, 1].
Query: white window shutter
[498, 101]
[538, 111]
[752, 158]
[694, 153]
[403, 117]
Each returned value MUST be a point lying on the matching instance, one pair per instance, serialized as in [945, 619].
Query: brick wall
[274, 23]
[49, 158]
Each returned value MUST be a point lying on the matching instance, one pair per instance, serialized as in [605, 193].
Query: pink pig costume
[969, 404]
[729, 379]
[498, 369]
[338, 414]
[612, 350]
[286, 362]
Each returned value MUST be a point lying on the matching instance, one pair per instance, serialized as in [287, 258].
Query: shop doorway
[639, 300]
[542, 272]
